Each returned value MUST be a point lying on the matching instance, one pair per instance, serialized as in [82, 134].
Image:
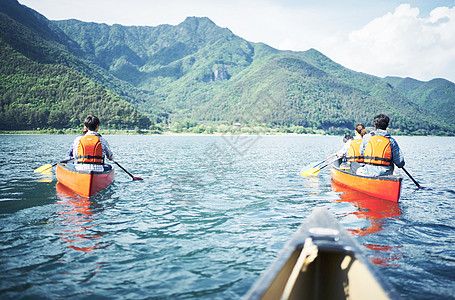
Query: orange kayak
[383, 187]
[84, 183]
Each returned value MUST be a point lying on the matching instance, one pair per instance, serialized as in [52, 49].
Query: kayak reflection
[77, 219]
[376, 211]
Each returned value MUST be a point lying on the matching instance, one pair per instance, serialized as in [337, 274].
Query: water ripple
[204, 224]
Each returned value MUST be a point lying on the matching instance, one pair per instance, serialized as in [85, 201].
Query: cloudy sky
[379, 37]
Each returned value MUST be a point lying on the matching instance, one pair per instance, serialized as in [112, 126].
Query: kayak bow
[321, 261]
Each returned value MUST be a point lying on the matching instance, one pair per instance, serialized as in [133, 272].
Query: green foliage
[35, 93]
[193, 78]
[202, 72]
[437, 95]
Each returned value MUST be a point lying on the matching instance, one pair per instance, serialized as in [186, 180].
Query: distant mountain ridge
[437, 95]
[198, 72]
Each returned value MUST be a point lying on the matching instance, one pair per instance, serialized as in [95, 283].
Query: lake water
[210, 216]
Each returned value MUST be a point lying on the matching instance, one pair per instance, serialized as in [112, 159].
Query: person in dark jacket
[380, 150]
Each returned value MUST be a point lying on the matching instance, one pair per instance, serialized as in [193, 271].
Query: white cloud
[400, 43]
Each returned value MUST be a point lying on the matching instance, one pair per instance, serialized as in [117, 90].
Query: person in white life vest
[380, 151]
[347, 141]
[352, 145]
[90, 149]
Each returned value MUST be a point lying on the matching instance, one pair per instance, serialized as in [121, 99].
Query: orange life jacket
[354, 151]
[89, 150]
[378, 151]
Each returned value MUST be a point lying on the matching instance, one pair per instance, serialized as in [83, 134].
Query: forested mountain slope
[55, 72]
[436, 95]
[41, 85]
[202, 72]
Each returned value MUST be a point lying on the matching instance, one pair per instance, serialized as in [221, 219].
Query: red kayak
[383, 187]
[84, 183]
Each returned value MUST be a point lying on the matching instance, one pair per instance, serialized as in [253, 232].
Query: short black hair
[91, 122]
[347, 137]
[381, 121]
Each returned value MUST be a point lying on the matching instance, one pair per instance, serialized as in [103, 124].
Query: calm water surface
[209, 217]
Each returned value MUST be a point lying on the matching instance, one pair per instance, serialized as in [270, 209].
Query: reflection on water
[374, 210]
[76, 214]
[45, 177]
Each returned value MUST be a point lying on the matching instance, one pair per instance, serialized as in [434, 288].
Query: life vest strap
[377, 159]
[355, 157]
[90, 157]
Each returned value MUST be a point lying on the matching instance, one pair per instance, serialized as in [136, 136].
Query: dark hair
[381, 121]
[347, 137]
[360, 128]
[91, 122]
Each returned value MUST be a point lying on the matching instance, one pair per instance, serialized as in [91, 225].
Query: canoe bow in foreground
[383, 187]
[321, 261]
[84, 183]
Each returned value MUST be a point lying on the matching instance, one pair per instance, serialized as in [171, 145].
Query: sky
[378, 37]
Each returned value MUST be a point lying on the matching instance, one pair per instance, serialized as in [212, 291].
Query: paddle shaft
[329, 163]
[50, 167]
[134, 178]
[413, 180]
[316, 170]
[325, 160]
[310, 170]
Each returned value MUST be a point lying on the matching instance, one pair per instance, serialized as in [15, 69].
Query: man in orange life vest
[380, 151]
[90, 149]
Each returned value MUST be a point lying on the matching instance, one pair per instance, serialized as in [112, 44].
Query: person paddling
[380, 151]
[90, 149]
[353, 154]
[351, 146]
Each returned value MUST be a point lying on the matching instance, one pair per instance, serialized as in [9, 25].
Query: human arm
[72, 151]
[107, 149]
[397, 154]
[344, 151]
[364, 143]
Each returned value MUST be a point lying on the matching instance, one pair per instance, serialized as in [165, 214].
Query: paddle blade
[137, 178]
[310, 166]
[47, 171]
[43, 169]
[311, 172]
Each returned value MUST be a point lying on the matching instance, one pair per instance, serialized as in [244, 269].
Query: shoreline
[319, 132]
[122, 132]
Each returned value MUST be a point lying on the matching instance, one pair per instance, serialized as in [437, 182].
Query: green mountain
[437, 95]
[206, 73]
[43, 84]
[184, 75]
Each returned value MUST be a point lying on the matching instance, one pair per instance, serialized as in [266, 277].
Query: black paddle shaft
[415, 182]
[134, 178]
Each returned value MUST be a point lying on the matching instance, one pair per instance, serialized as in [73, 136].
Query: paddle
[310, 169]
[47, 168]
[315, 171]
[134, 178]
[415, 182]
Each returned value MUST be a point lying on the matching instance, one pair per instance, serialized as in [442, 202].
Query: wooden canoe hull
[83, 183]
[321, 261]
[383, 187]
